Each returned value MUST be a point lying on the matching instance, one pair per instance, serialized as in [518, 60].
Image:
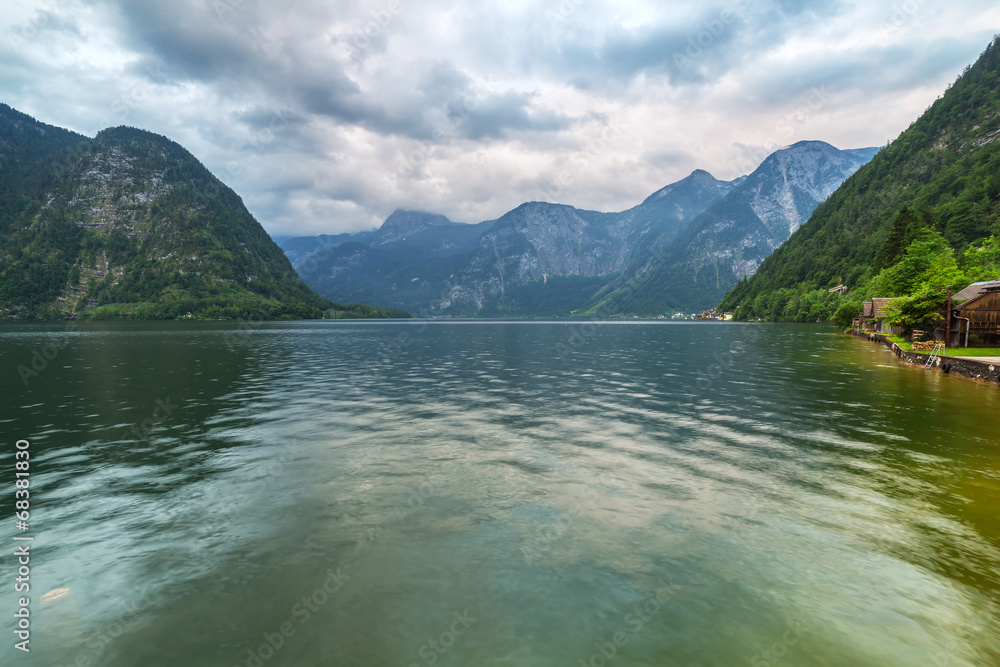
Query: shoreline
[970, 369]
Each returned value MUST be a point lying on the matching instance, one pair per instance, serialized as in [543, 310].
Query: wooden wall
[984, 312]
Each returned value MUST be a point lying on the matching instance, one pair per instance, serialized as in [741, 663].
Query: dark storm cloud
[186, 42]
[695, 49]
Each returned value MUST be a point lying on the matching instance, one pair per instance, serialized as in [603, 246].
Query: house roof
[975, 289]
[879, 306]
[973, 303]
[868, 309]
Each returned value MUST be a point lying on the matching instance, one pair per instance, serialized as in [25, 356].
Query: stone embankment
[968, 368]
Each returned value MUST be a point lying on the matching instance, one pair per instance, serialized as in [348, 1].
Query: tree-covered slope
[945, 168]
[129, 224]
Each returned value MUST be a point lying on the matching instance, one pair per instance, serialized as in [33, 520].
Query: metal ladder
[938, 351]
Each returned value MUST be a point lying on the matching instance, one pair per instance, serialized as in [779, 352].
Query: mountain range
[680, 249]
[129, 224]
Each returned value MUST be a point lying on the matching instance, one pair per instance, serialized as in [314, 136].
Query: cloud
[325, 115]
[498, 114]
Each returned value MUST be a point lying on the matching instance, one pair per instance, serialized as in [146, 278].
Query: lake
[496, 493]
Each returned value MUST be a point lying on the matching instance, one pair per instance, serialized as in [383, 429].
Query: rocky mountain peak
[403, 223]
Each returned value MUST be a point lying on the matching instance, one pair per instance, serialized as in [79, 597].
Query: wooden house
[863, 323]
[880, 317]
[977, 320]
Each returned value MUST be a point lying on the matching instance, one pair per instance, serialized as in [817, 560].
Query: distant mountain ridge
[544, 259]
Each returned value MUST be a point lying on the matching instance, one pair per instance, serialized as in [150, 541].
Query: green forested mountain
[129, 224]
[941, 176]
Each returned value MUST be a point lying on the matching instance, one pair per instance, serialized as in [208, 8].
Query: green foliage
[941, 173]
[356, 311]
[981, 262]
[927, 265]
[798, 304]
[916, 310]
[846, 312]
[919, 282]
[906, 227]
[925, 268]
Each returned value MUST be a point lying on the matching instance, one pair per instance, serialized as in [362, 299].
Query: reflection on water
[490, 494]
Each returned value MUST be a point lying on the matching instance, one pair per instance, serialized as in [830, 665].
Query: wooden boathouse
[978, 320]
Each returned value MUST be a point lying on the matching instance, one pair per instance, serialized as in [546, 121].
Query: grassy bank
[952, 351]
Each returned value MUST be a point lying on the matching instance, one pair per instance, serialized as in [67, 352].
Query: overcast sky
[326, 115]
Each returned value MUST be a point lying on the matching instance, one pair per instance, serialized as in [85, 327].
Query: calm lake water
[482, 493]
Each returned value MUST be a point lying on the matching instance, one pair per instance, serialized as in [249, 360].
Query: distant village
[704, 315]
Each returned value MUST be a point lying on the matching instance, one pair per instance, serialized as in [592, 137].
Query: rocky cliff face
[791, 183]
[667, 212]
[767, 208]
[550, 259]
[732, 237]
